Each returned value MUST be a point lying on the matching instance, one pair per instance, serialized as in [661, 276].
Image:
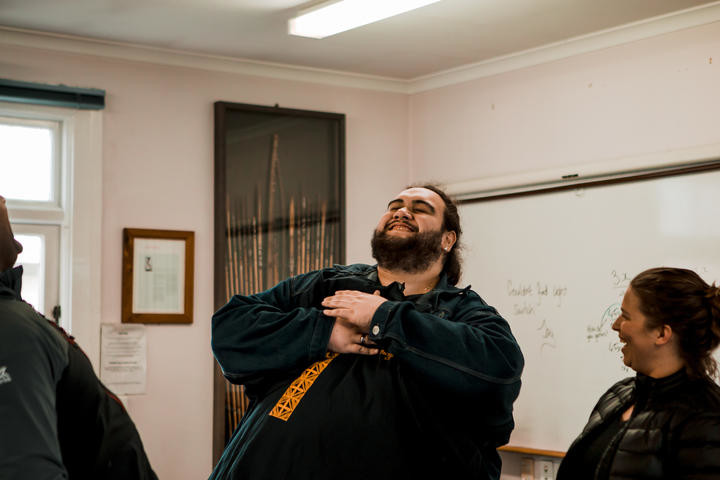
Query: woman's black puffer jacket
[673, 433]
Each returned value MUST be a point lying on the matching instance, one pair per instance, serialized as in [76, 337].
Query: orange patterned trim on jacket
[297, 389]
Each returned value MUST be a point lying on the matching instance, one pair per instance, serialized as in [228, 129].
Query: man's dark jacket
[58, 421]
[673, 433]
[437, 401]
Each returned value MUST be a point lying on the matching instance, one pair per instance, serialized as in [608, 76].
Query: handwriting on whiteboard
[547, 336]
[537, 291]
[620, 282]
[601, 329]
[537, 300]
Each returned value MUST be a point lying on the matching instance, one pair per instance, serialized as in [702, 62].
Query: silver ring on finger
[362, 339]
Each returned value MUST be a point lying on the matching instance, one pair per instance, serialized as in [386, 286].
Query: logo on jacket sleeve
[4, 376]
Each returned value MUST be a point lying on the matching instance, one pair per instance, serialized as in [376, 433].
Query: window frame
[78, 214]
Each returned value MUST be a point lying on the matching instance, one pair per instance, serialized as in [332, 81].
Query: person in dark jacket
[664, 423]
[57, 420]
[382, 372]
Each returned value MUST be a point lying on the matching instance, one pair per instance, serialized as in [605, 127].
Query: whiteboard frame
[630, 169]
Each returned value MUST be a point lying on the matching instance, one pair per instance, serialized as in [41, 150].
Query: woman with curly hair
[663, 423]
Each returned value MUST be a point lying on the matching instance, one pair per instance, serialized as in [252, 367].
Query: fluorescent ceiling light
[335, 17]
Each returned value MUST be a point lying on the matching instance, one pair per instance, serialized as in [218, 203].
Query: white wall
[644, 97]
[158, 173]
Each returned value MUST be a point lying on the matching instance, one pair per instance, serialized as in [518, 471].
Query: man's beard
[411, 254]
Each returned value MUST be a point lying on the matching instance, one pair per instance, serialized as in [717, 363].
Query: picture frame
[157, 276]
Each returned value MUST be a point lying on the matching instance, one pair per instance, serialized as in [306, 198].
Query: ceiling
[426, 41]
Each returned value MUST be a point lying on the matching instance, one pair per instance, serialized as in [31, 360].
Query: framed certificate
[157, 281]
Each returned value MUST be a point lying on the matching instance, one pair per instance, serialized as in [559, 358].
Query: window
[40, 259]
[29, 153]
[51, 176]
[31, 162]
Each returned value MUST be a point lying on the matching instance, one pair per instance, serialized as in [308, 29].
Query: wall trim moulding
[178, 58]
[623, 34]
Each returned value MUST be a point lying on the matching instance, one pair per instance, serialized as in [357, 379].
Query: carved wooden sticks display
[270, 237]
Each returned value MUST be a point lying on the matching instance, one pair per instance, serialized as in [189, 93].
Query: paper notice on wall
[123, 358]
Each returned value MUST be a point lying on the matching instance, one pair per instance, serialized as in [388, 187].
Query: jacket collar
[647, 388]
[425, 301]
[370, 272]
[11, 282]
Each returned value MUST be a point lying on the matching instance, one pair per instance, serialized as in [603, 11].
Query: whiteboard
[556, 266]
